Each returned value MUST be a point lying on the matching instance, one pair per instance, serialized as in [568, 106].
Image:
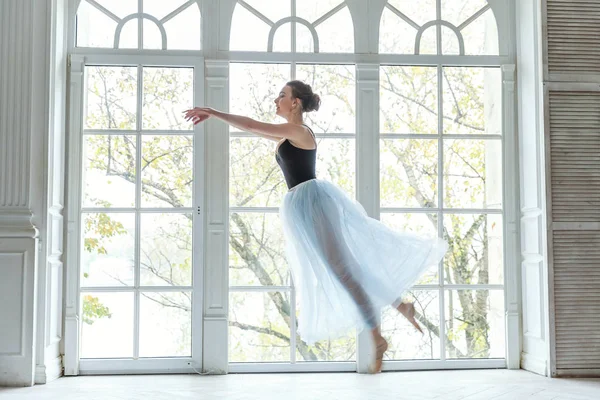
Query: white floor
[451, 385]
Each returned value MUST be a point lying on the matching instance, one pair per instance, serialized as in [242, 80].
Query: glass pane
[244, 39]
[94, 28]
[166, 250]
[282, 41]
[428, 42]
[408, 100]
[408, 172]
[259, 328]
[473, 174]
[167, 93]
[162, 8]
[152, 36]
[405, 342]
[336, 33]
[472, 100]
[311, 10]
[395, 34]
[256, 250]
[420, 12]
[167, 171]
[128, 39]
[107, 258]
[475, 324]
[336, 85]
[304, 39]
[419, 224]
[272, 9]
[109, 171]
[476, 249]
[184, 30]
[111, 101]
[457, 12]
[481, 35]
[255, 179]
[253, 89]
[336, 163]
[450, 43]
[166, 324]
[107, 325]
[119, 7]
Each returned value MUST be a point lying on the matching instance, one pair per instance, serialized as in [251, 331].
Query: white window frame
[214, 59]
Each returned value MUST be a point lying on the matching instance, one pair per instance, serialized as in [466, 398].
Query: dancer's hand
[199, 114]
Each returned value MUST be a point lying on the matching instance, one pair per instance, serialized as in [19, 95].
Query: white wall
[30, 289]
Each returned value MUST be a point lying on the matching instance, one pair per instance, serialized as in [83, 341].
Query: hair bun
[314, 103]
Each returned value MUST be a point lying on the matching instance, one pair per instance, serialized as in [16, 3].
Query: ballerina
[346, 266]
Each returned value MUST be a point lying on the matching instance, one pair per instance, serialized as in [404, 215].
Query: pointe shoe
[409, 313]
[380, 350]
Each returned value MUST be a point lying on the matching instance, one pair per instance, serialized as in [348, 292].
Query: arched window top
[147, 24]
[461, 27]
[284, 26]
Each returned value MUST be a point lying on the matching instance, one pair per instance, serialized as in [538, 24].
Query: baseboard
[534, 364]
[49, 372]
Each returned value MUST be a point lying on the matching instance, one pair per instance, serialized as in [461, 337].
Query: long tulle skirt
[345, 265]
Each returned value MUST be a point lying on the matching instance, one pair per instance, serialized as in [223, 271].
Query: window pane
[472, 100]
[166, 250]
[183, 30]
[336, 85]
[94, 28]
[107, 258]
[419, 12]
[336, 163]
[107, 325]
[419, 224]
[475, 324]
[109, 171]
[336, 33]
[449, 41]
[282, 41]
[304, 39]
[395, 34]
[167, 171]
[473, 174]
[476, 249]
[244, 39]
[167, 93]
[111, 101]
[165, 324]
[428, 41]
[161, 8]
[481, 35]
[254, 88]
[128, 39]
[256, 250]
[255, 177]
[457, 12]
[408, 100]
[259, 329]
[272, 9]
[152, 35]
[119, 7]
[405, 342]
[341, 349]
[408, 172]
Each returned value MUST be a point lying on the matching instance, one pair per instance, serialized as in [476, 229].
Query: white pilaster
[216, 290]
[367, 161]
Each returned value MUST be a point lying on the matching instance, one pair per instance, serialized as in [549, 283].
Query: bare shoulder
[304, 139]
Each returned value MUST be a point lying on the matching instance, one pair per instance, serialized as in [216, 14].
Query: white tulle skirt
[347, 266]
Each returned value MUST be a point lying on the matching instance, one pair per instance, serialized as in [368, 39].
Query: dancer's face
[285, 104]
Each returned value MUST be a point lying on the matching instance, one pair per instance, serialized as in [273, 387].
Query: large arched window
[461, 27]
[296, 26]
[132, 24]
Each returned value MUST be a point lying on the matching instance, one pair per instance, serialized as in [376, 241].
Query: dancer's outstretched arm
[294, 132]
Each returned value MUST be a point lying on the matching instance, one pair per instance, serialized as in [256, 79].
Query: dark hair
[300, 90]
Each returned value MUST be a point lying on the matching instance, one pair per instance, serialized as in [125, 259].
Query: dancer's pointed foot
[381, 346]
[408, 310]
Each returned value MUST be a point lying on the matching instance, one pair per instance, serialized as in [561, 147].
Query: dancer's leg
[340, 260]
